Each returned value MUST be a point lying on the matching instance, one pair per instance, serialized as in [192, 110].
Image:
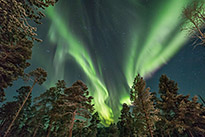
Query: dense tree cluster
[17, 37]
[69, 111]
[60, 111]
[170, 114]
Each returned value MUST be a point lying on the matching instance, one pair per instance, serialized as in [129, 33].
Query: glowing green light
[156, 50]
[161, 42]
[76, 49]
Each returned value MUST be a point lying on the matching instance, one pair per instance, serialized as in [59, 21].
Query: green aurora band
[79, 53]
[154, 53]
[162, 41]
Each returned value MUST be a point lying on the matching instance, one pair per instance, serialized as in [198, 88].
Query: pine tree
[7, 114]
[39, 76]
[169, 106]
[87, 131]
[191, 116]
[20, 127]
[92, 128]
[76, 103]
[113, 130]
[126, 124]
[29, 127]
[48, 111]
[143, 107]
[102, 132]
[17, 37]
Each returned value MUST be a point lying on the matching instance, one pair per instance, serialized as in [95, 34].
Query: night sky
[106, 43]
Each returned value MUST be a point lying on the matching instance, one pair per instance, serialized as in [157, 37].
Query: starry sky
[106, 43]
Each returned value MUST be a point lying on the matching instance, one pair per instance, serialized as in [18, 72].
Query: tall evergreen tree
[76, 102]
[126, 123]
[113, 130]
[191, 117]
[6, 115]
[169, 106]
[92, 128]
[20, 127]
[143, 107]
[17, 37]
[87, 131]
[39, 76]
[8, 111]
[48, 111]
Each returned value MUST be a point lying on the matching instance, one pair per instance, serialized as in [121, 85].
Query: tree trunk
[14, 119]
[190, 133]
[148, 125]
[35, 131]
[2, 122]
[72, 123]
[162, 134]
[49, 128]
[147, 119]
[197, 27]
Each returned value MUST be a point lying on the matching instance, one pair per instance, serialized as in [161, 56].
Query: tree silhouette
[168, 104]
[7, 114]
[17, 37]
[48, 110]
[76, 102]
[126, 124]
[143, 107]
[81, 130]
[39, 76]
[95, 120]
[194, 16]
[113, 130]
[191, 116]
[168, 91]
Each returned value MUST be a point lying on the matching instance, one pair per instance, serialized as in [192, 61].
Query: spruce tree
[126, 124]
[191, 117]
[143, 107]
[169, 106]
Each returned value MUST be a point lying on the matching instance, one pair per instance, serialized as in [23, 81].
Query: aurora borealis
[106, 43]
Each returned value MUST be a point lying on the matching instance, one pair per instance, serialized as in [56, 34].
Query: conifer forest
[102, 68]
